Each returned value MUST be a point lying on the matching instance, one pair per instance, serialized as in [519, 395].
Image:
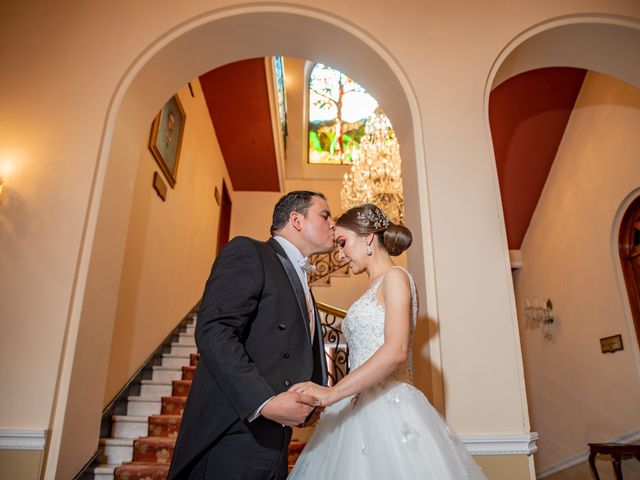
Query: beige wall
[167, 254]
[251, 214]
[169, 244]
[569, 254]
[506, 467]
[67, 144]
[21, 464]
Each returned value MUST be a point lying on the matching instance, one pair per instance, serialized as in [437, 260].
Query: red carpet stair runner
[142, 442]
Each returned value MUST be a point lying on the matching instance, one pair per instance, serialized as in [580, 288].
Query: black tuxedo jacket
[252, 334]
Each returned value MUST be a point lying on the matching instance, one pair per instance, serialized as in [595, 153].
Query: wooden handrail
[331, 310]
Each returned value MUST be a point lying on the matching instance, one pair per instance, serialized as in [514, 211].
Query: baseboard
[14, 439]
[584, 455]
[521, 444]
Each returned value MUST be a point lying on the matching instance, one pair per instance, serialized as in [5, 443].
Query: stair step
[142, 471]
[116, 450]
[143, 440]
[143, 406]
[295, 449]
[188, 372]
[186, 338]
[154, 388]
[193, 359]
[154, 450]
[166, 373]
[172, 405]
[104, 472]
[180, 388]
[183, 348]
[126, 426]
[164, 425]
[174, 361]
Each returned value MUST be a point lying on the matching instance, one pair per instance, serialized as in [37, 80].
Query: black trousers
[246, 452]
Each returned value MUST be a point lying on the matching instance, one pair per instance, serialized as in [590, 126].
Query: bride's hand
[324, 394]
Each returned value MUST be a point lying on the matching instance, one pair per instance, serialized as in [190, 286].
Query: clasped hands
[323, 394]
[291, 408]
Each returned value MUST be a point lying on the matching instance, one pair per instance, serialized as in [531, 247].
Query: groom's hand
[313, 418]
[289, 408]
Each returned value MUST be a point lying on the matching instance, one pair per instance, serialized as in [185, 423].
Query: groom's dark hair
[298, 201]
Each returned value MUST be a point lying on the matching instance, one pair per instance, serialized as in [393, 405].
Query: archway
[604, 45]
[601, 44]
[622, 241]
[628, 244]
[184, 52]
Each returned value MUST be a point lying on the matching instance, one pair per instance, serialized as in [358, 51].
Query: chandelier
[375, 175]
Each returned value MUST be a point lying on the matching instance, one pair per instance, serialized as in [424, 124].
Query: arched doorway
[179, 55]
[562, 406]
[629, 250]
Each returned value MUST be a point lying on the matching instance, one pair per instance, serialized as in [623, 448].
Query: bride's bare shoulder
[397, 276]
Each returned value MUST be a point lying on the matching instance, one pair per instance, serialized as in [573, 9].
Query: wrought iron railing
[327, 264]
[335, 346]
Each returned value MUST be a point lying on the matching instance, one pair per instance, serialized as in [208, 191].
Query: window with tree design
[338, 112]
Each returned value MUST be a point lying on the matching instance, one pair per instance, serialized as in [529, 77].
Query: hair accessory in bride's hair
[372, 216]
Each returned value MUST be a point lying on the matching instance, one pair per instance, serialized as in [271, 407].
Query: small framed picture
[159, 186]
[166, 138]
[611, 344]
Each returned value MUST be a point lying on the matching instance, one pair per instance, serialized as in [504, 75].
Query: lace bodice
[363, 328]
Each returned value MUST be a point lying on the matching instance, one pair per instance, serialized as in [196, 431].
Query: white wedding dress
[389, 431]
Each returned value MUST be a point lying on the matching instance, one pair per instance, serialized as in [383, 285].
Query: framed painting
[166, 138]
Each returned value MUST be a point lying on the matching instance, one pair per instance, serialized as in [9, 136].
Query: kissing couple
[262, 364]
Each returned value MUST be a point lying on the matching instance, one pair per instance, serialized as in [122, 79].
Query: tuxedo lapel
[298, 290]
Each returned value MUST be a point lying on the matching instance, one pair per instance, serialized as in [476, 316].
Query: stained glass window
[278, 66]
[338, 112]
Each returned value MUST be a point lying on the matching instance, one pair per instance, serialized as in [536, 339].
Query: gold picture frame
[166, 138]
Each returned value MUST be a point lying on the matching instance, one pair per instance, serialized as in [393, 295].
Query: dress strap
[376, 286]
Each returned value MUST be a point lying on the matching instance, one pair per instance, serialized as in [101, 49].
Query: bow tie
[306, 266]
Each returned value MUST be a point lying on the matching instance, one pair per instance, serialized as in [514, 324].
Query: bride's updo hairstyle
[368, 218]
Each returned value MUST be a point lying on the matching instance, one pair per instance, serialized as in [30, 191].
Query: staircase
[142, 441]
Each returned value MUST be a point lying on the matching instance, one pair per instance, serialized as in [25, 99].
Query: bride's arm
[396, 295]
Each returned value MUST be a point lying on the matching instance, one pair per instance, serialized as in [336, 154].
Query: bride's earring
[369, 251]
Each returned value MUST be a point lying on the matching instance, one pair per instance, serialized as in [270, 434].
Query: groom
[257, 333]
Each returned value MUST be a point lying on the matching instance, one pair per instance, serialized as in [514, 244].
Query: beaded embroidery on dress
[389, 430]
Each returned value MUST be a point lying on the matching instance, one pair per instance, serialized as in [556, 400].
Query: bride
[376, 424]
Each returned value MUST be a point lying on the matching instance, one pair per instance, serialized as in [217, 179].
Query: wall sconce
[539, 316]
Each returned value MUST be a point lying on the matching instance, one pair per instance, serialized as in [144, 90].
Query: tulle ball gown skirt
[390, 431]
